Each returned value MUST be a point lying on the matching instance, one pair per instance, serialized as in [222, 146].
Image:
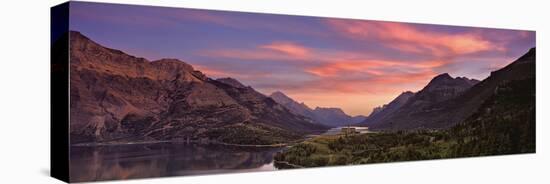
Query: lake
[110, 162]
[338, 130]
[95, 163]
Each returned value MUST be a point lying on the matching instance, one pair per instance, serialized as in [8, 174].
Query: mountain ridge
[330, 116]
[450, 106]
[118, 97]
[381, 112]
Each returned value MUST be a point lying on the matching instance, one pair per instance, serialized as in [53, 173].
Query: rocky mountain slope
[116, 97]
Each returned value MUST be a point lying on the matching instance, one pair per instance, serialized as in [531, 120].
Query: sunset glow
[355, 65]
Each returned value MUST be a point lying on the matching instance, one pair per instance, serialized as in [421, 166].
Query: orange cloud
[372, 67]
[420, 77]
[408, 38]
[342, 92]
[337, 71]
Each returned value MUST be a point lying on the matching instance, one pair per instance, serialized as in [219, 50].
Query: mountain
[332, 117]
[504, 123]
[379, 113]
[446, 101]
[357, 119]
[440, 88]
[293, 106]
[336, 117]
[116, 97]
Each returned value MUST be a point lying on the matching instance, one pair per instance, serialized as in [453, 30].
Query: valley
[503, 123]
[122, 105]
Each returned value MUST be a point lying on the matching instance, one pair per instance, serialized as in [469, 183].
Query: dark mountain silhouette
[379, 113]
[294, 107]
[504, 123]
[116, 97]
[355, 120]
[440, 88]
[446, 101]
[335, 117]
[327, 116]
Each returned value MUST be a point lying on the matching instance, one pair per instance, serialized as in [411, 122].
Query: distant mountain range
[116, 97]
[446, 101]
[332, 117]
[380, 113]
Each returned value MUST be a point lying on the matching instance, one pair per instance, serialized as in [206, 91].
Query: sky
[352, 64]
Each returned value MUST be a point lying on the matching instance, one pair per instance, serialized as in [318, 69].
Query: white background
[24, 92]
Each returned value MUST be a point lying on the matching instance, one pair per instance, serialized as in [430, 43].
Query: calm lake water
[165, 159]
[95, 163]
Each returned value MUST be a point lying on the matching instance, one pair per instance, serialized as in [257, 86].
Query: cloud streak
[409, 38]
[352, 64]
[288, 48]
[321, 72]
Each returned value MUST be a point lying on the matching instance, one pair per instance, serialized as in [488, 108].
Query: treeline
[251, 134]
[504, 124]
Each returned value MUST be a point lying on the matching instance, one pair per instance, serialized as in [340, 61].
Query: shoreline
[277, 145]
[188, 142]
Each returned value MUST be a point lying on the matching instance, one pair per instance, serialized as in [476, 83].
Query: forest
[504, 124]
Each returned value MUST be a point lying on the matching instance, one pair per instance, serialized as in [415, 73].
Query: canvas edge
[59, 92]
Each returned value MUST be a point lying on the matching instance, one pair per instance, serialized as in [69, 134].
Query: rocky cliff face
[118, 97]
[446, 101]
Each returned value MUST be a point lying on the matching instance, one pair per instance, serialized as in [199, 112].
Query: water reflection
[167, 159]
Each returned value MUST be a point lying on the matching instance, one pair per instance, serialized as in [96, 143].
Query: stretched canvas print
[143, 91]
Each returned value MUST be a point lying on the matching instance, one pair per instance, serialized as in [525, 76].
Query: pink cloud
[249, 54]
[335, 73]
[277, 51]
[407, 38]
[419, 77]
[337, 70]
[288, 48]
